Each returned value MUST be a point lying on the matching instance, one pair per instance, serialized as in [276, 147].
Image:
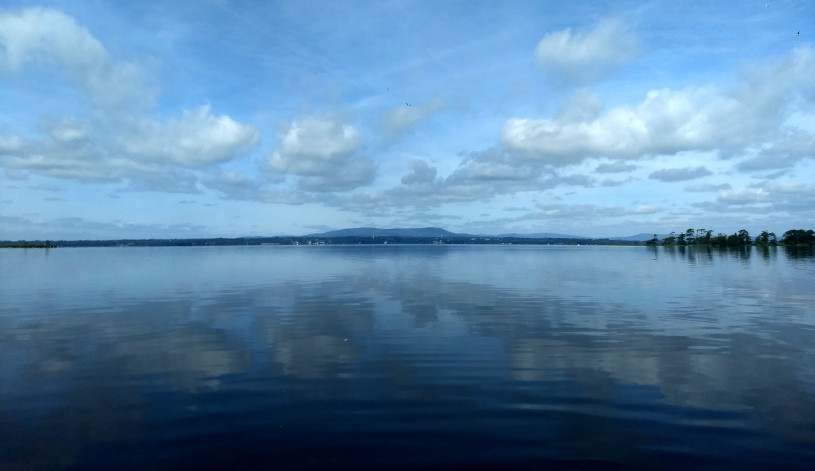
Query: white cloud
[138, 148]
[744, 196]
[196, 139]
[119, 139]
[322, 151]
[680, 174]
[585, 57]
[314, 146]
[49, 39]
[645, 209]
[668, 121]
[770, 203]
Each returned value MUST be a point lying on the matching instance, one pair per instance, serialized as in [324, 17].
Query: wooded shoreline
[741, 238]
[691, 237]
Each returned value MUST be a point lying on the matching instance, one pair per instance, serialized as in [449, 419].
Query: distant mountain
[395, 232]
[434, 232]
[642, 237]
[542, 235]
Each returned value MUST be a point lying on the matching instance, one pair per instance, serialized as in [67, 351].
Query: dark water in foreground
[409, 357]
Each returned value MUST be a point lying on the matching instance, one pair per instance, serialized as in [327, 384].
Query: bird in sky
[408, 104]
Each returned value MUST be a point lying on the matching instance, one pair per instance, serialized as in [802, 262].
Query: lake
[407, 357]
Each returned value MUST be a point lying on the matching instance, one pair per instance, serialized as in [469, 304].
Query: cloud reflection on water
[413, 328]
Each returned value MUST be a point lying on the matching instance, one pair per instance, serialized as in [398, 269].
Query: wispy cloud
[568, 56]
[406, 115]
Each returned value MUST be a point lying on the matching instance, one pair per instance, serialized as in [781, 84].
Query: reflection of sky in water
[105, 345]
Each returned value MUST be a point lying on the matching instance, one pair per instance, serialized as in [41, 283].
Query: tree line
[741, 238]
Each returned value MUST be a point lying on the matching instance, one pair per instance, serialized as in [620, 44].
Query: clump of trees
[798, 237]
[741, 238]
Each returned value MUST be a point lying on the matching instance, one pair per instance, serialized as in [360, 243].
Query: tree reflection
[800, 253]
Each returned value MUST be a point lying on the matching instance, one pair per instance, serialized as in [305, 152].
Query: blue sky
[244, 118]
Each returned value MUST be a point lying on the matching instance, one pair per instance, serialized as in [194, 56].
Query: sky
[220, 118]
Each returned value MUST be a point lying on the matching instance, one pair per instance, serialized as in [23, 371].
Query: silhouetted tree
[703, 236]
[798, 237]
[720, 240]
[689, 237]
[744, 237]
[733, 240]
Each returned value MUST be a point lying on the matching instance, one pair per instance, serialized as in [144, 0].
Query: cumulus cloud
[667, 121]
[71, 160]
[587, 56]
[680, 174]
[118, 139]
[195, 139]
[403, 117]
[480, 175]
[314, 145]
[99, 159]
[492, 171]
[420, 173]
[50, 39]
[789, 200]
[322, 151]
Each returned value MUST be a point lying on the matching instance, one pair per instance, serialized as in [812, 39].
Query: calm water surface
[411, 357]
